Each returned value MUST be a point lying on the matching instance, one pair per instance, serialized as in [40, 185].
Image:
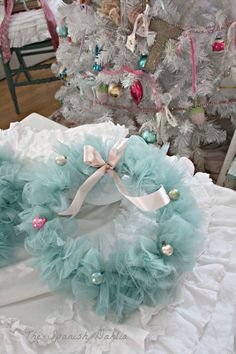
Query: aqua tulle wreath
[11, 186]
[135, 272]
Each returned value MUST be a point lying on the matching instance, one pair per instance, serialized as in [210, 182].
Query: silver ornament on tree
[97, 278]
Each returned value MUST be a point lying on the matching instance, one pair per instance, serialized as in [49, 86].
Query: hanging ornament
[69, 39]
[62, 31]
[142, 61]
[97, 67]
[102, 93]
[219, 44]
[149, 136]
[115, 90]
[62, 75]
[136, 91]
[197, 115]
[141, 28]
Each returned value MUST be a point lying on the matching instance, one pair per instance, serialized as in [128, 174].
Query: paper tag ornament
[141, 28]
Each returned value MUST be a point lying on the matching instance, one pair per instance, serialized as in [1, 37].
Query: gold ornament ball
[167, 250]
[115, 90]
[174, 194]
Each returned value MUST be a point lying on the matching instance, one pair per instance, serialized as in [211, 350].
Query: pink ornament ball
[136, 91]
[38, 222]
[197, 115]
[218, 45]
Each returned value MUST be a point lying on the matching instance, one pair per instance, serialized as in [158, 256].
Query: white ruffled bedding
[30, 26]
[201, 321]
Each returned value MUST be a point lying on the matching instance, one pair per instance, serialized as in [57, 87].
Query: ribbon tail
[51, 22]
[83, 191]
[148, 202]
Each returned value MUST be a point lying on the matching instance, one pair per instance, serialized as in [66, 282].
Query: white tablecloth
[201, 321]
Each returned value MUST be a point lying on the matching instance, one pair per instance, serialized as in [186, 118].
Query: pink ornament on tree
[218, 45]
[136, 91]
[197, 115]
[38, 222]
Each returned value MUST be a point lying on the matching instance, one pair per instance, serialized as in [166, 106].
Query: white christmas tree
[166, 66]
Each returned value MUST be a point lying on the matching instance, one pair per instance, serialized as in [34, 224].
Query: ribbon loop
[92, 157]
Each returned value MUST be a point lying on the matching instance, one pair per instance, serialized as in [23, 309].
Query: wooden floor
[34, 98]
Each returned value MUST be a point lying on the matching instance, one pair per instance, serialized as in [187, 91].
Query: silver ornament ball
[61, 160]
[174, 194]
[97, 278]
[167, 250]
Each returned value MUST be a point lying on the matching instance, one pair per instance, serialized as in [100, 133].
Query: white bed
[201, 321]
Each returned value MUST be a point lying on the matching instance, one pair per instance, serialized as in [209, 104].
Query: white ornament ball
[61, 160]
[167, 250]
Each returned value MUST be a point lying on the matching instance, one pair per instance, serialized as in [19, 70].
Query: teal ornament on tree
[142, 61]
[97, 67]
[149, 136]
[62, 75]
[62, 31]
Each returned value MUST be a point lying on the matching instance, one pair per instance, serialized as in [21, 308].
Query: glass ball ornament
[61, 160]
[197, 115]
[115, 90]
[97, 278]
[62, 75]
[167, 250]
[38, 222]
[102, 93]
[174, 194]
[62, 31]
[142, 61]
[218, 45]
[149, 136]
[136, 91]
[97, 67]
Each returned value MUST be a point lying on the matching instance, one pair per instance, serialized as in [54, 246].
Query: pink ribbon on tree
[148, 202]
[4, 40]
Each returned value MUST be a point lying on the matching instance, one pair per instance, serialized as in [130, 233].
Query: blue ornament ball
[149, 137]
[97, 67]
[62, 31]
[142, 61]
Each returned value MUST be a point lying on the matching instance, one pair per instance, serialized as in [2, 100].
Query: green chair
[12, 75]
